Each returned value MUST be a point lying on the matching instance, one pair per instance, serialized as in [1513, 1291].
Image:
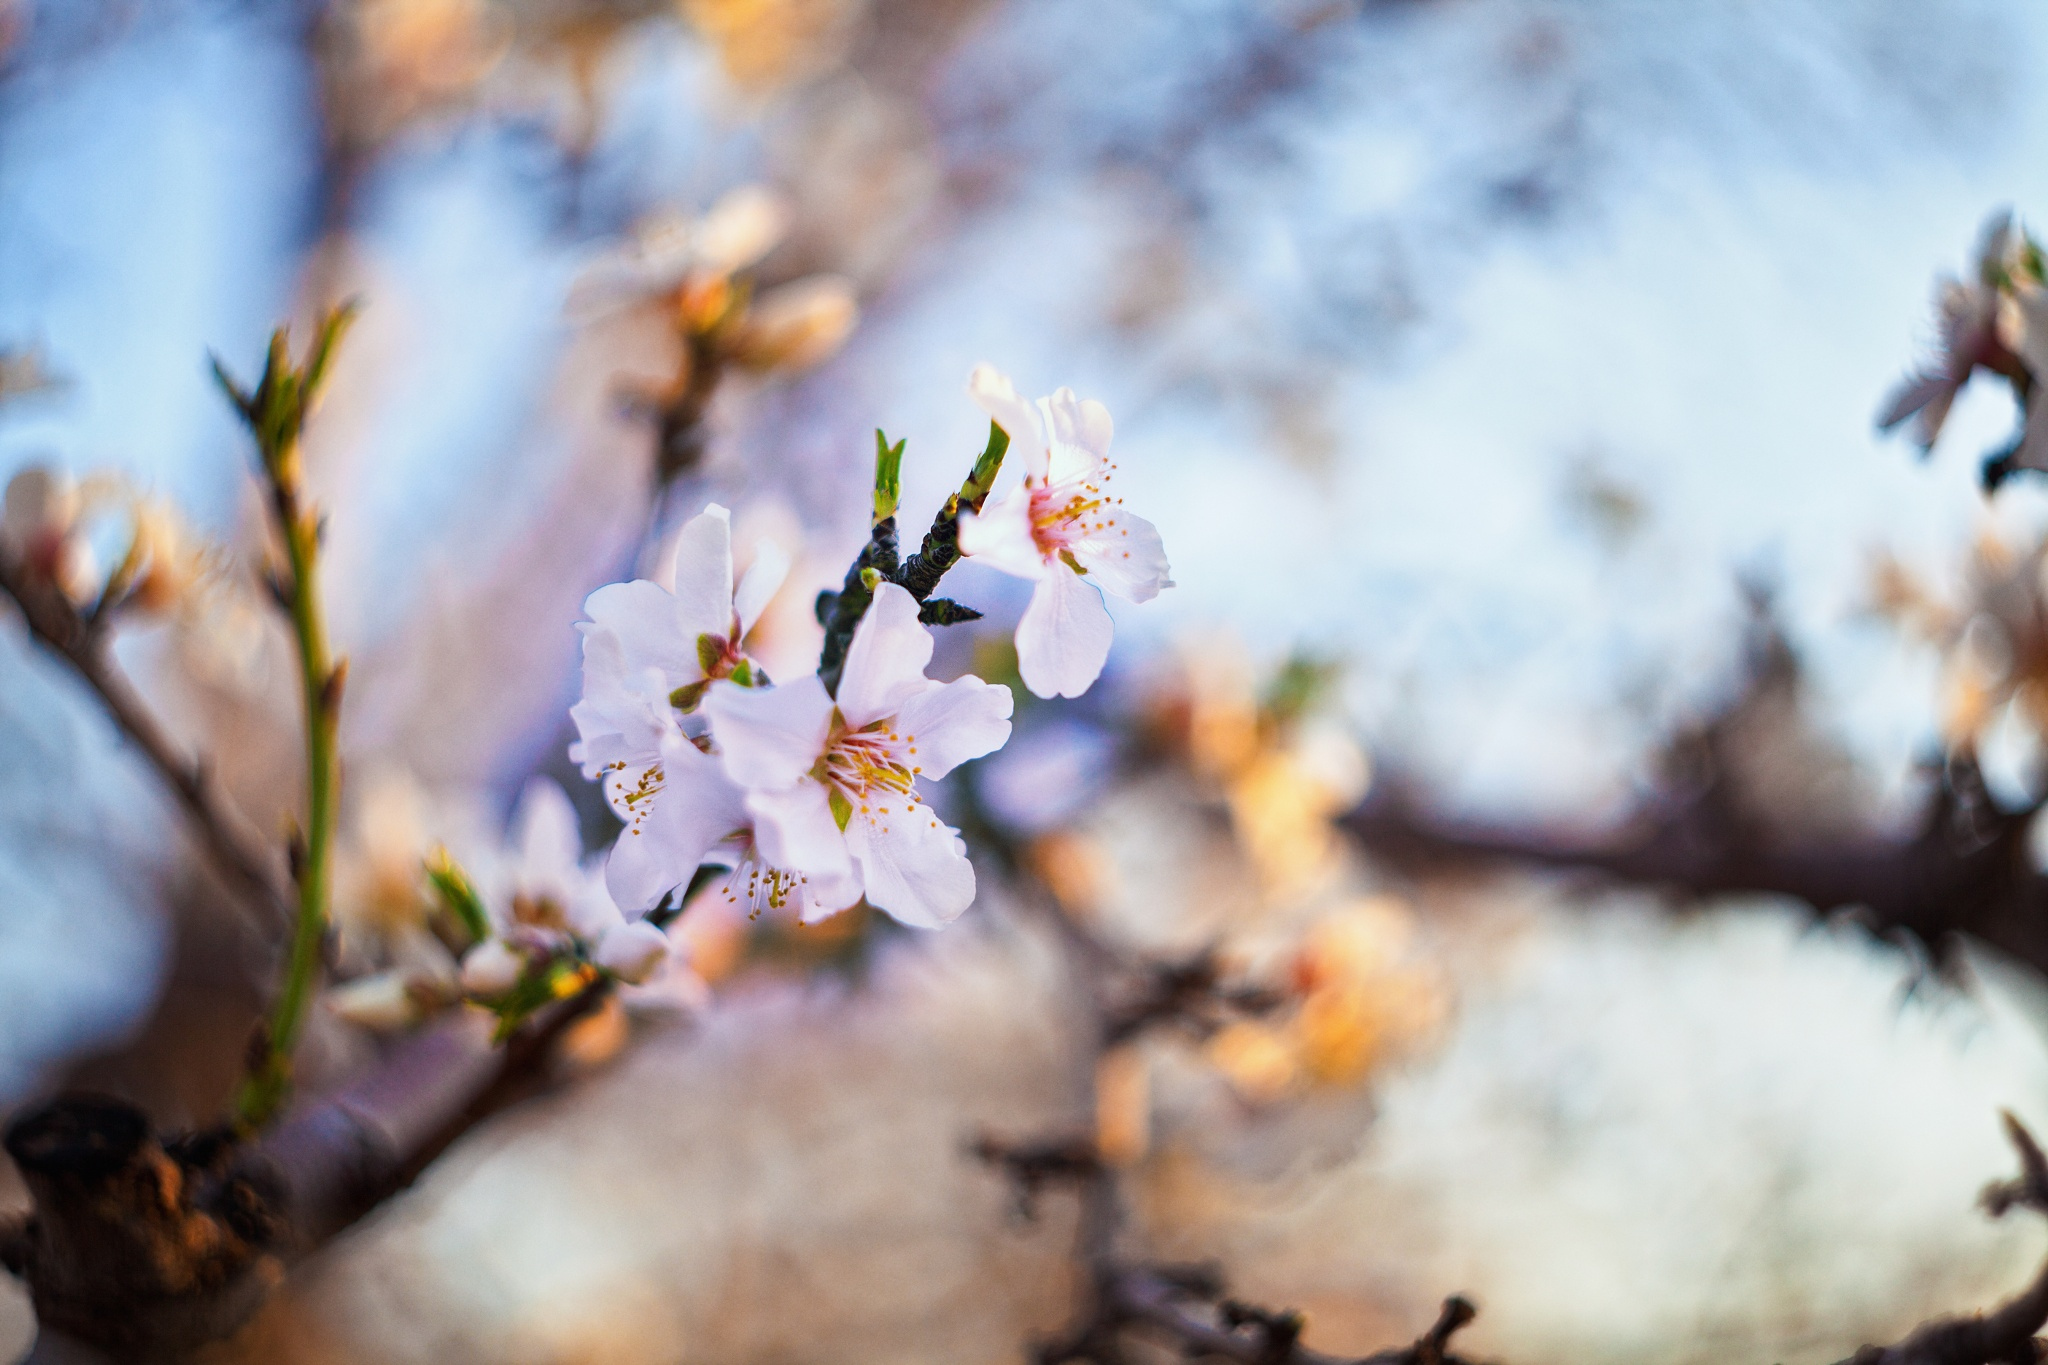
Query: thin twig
[57, 625]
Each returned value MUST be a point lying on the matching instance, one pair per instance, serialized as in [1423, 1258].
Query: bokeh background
[1498, 349]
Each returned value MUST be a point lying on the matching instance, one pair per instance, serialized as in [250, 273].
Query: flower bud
[382, 1001]
[797, 325]
[742, 227]
[39, 522]
[632, 952]
[491, 968]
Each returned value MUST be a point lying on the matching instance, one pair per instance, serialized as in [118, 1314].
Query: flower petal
[665, 842]
[699, 571]
[953, 722]
[762, 581]
[1078, 435]
[1000, 536]
[1063, 640]
[768, 737]
[545, 839]
[1126, 557]
[491, 968]
[885, 663]
[993, 392]
[913, 867]
[794, 831]
[644, 619]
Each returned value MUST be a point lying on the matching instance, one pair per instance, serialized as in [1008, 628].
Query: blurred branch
[1708, 830]
[82, 644]
[2005, 1335]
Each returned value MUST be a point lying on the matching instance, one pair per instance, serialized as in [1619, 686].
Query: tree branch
[54, 623]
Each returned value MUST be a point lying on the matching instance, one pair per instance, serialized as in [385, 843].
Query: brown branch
[153, 1246]
[53, 621]
[2005, 1335]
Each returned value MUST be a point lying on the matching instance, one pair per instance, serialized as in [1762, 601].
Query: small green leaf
[987, 465]
[710, 653]
[842, 809]
[686, 697]
[458, 896]
[870, 579]
[1067, 558]
[888, 476]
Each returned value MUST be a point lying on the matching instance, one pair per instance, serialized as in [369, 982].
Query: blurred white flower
[1064, 529]
[546, 897]
[831, 785]
[41, 526]
[797, 325]
[674, 252]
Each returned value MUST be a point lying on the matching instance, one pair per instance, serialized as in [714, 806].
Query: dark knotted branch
[1127, 996]
[1709, 828]
[80, 641]
[2006, 1334]
[1185, 1307]
[151, 1246]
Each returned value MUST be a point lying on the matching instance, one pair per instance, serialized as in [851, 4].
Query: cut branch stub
[132, 1247]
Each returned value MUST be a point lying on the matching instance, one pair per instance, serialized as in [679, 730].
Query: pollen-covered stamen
[873, 762]
[638, 799]
[754, 884]
[1074, 510]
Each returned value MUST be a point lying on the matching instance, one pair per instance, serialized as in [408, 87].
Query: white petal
[491, 968]
[885, 663]
[912, 866]
[544, 832]
[1000, 536]
[1063, 640]
[1126, 557]
[992, 390]
[632, 952]
[700, 573]
[795, 831]
[764, 577]
[742, 227]
[643, 621]
[953, 722]
[383, 1001]
[1077, 422]
[665, 842]
[768, 737]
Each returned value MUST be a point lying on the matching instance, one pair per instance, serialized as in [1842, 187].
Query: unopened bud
[798, 325]
[491, 968]
[632, 952]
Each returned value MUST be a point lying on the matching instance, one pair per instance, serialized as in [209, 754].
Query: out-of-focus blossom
[547, 899]
[388, 62]
[832, 782]
[25, 370]
[795, 326]
[766, 43]
[42, 528]
[1967, 315]
[1358, 999]
[649, 651]
[382, 900]
[1123, 1105]
[1063, 528]
[695, 256]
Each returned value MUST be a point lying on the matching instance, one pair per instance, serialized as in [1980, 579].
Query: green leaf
[842, 809]
[710, 653]
[987, 465]
[686, 697]
[458, 896]
[888, 476]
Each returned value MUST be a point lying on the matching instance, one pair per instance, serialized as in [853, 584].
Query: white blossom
[832, 783]
[649, 650]
[1063, 528]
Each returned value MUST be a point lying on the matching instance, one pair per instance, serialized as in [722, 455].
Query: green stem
[276, 414]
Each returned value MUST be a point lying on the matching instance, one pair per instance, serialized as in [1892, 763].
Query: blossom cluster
[810, 792]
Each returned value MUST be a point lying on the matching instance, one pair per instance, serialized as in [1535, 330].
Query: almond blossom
[650, 648]
[546, 899]
[1063, 528]
[831, 783]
